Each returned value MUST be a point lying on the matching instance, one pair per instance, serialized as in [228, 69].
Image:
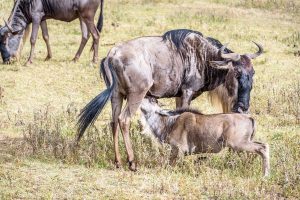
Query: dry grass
[39, 105]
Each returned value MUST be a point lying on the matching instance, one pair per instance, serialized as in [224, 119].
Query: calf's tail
[91, 111]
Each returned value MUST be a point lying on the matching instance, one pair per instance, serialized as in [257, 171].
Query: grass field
[39, 105]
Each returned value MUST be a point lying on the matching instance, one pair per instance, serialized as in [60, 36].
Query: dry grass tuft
[39, 105]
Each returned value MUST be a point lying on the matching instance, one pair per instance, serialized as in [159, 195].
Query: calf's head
[149, 106]
[239, 79]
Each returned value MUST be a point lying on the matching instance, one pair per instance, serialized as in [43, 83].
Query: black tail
[91, 111]
[103, 74]
[100, 20]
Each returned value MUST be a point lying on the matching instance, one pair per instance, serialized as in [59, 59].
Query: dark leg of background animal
[116, 104]
[132, 104]
[35, 27]
[84, 38]
[46, 39]
[95, 34]
[259, 148]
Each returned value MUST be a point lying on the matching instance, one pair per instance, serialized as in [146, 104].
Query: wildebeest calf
[190, 132]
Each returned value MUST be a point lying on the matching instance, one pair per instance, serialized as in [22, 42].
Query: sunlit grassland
[39, 105]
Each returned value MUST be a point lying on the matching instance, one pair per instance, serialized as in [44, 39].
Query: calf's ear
[163, 112]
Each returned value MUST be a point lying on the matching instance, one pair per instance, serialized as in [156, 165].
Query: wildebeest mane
[183, 110]
[178, 36]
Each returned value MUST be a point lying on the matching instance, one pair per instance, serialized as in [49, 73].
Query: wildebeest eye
[154, 100]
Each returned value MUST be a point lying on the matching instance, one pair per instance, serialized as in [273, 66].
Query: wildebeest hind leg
[116, 104]
[133, 102]
[95, 34]
[46, 39]
[85, 35]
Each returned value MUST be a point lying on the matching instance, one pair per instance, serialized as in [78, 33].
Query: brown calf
[190, 132]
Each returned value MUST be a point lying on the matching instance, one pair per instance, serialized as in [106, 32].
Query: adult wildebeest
[37, 11]
[190, 132]
[181, 63]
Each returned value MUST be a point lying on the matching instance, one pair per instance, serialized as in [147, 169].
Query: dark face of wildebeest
[244, 77]
[3, 47]
[239, 80]
[9, 42]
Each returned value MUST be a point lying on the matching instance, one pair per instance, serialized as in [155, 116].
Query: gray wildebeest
[181, 63]
[190, 132]
[37, 12]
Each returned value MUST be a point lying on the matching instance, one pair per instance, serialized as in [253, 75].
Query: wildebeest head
[3, 47]
[239, 78]
[6, 32]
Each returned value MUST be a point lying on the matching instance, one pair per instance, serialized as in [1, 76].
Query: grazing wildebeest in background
[4, 52]
[37, 11]
[190, 132]
[181, 63]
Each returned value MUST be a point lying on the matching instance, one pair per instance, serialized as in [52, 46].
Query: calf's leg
[174, 155]
[178, 102]
[186, 98]
[259, 148]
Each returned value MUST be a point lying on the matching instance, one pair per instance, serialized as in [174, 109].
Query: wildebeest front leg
[84, 38]
[178, 102]
[46, 39]
[186, 98]
[36, 20]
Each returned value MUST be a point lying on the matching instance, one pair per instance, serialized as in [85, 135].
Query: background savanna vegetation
[39, 105]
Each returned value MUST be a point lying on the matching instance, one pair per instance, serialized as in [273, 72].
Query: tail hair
[103, 74]
[91, 111]
[100, 20]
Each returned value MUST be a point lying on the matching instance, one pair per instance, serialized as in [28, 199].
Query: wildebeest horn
[258, 53]
[231, 56]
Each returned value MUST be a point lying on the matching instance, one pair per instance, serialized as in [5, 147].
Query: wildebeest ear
[163, 113]
[221, 64]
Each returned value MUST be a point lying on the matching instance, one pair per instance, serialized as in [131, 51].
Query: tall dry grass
[38, 124]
